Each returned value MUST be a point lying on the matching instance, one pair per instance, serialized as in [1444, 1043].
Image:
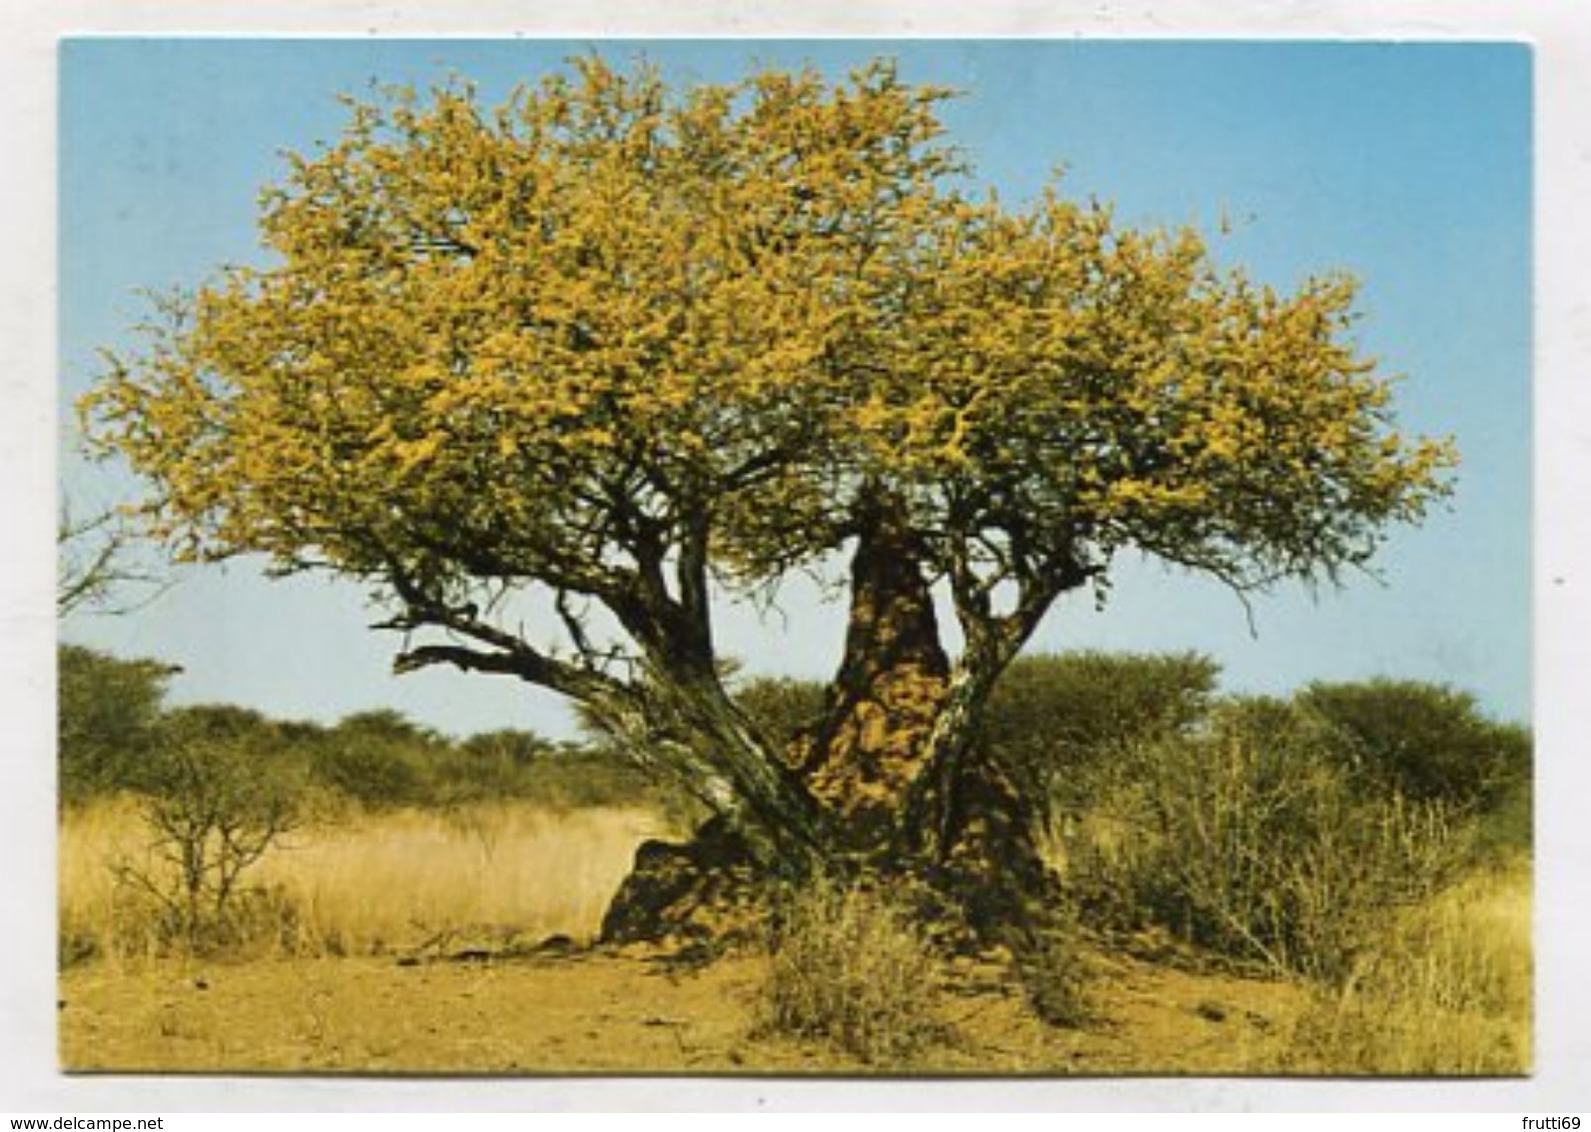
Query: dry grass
[1449, 993]
[1447, 989]
[849, 968]
[371, 885]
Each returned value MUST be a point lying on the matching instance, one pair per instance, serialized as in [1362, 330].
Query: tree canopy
[612, 343]
[107, 719]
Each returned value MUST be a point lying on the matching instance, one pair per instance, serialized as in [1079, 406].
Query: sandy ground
[608, 1012]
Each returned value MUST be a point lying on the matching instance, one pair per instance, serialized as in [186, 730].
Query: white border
[29, 29]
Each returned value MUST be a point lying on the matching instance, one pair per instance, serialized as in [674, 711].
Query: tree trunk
[874, 763]
[867, 751]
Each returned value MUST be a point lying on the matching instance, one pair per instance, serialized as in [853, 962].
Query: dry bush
[215, 806]
[848, 967]
[99, 917]
[379, 883]
[1254, 839]
[1448, 992]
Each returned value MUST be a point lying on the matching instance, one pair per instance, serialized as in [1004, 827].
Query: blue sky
[1408, 165]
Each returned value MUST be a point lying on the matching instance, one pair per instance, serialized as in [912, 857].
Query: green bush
[781, 708]
[1426, 741]
[107, 717]
[571, 776]
[221, 722]
[214, 804]
[112, 725]
[1506, 828]
[380, 759]
[1052, 720]
[491, 766]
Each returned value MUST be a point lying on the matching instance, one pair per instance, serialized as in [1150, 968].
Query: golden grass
[1448, 990]
[372, 884]
[1450, 993]
[848, 967]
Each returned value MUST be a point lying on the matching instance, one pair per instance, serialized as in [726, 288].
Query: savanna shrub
[491, 766]
[380, 759]
[107, 710]
[578, 775]
[780, 707]
[1053, 720]
[214, 806]
[1253, 838]
[848, 966]
[1426, 741]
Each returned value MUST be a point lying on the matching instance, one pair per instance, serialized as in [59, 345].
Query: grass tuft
[849, 967]
[1448, 993]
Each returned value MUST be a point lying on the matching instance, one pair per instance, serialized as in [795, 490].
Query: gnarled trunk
[876, 763]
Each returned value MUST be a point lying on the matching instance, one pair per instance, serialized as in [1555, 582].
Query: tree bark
[892, 769]
[785, 828]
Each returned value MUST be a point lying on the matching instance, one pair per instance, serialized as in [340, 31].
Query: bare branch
[94, 565]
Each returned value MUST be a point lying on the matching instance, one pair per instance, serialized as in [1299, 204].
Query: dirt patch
[629, 1011]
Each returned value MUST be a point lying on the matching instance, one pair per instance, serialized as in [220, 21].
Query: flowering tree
[622, 349]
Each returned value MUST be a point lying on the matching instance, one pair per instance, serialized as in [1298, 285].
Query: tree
[1428, 741]
[1053, 718]
[108, 712]
[380, 758]
[618, 348]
